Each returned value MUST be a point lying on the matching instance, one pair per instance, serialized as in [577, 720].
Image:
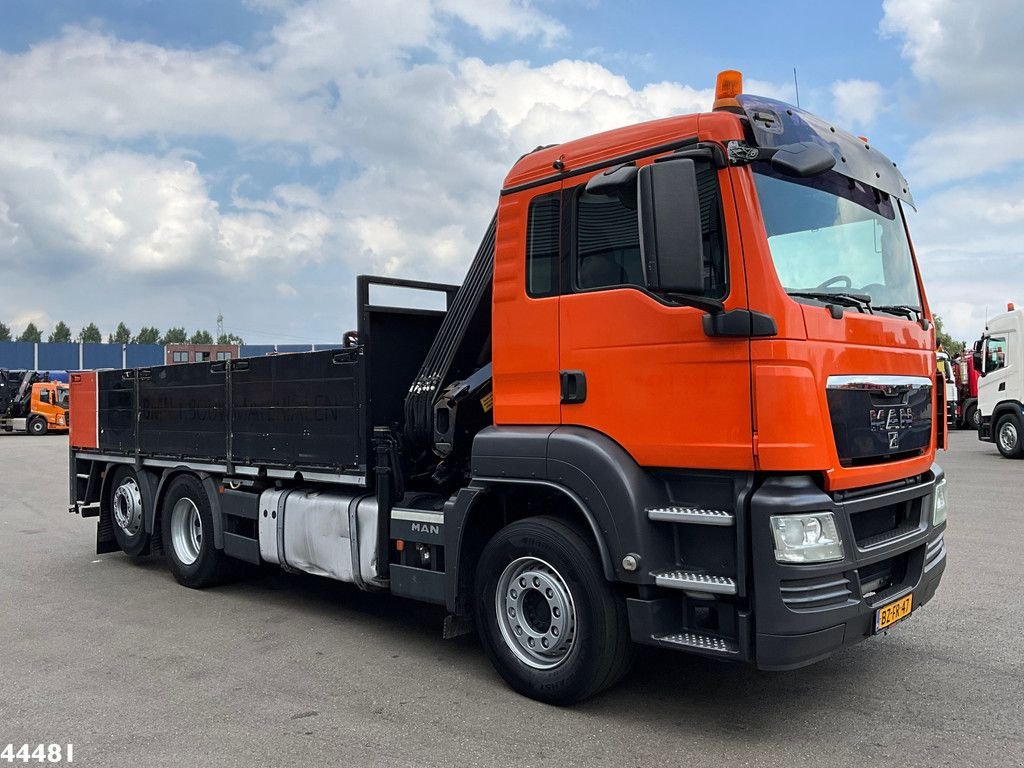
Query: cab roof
[578, 156]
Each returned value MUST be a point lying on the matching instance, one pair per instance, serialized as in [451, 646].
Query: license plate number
[893, 612]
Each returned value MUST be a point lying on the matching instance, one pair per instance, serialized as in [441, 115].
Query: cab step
[709, 644]
[692, 515]
[695, 582]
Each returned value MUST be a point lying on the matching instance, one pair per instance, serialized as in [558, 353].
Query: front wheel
[38, 426]
[973, 418]
[186, 530]
[1008, 437]
[550, 623]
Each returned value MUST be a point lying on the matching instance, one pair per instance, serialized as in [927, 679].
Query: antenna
[796, 85]
[220, 327]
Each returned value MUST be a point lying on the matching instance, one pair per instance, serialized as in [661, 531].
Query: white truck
[998, 356]
[945, 367]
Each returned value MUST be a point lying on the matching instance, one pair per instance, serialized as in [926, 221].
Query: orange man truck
[42, 409]
[685, 397]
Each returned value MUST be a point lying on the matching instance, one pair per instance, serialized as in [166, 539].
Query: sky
[163, 161]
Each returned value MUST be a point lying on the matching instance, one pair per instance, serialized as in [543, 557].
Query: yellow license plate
[895, 611]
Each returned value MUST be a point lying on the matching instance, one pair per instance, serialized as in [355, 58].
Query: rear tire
[1008, 436]
[550, 622]
[186, 533]
[38, 426]
[127, 512]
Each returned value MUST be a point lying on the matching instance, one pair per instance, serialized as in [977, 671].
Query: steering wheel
[833, 280]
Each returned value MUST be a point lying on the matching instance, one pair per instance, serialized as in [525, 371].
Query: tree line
[91, 334]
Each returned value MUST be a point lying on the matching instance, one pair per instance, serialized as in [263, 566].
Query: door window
[607, 242]
[995, 353]
[608, 238]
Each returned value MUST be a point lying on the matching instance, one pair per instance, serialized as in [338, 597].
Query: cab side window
[608, 238]
[44, 395]
[542, 246]
[995, 353]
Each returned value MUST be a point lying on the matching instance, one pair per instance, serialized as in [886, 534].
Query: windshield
[62, 397]
[836, 235]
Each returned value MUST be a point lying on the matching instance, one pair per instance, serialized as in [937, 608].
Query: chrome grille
[812, 594]
[934, 552]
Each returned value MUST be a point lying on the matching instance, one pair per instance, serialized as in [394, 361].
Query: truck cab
[997, 357]
[45, 409]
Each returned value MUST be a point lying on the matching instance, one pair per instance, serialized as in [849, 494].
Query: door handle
[574, 387]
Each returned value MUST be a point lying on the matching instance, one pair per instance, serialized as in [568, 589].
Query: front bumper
[802, 613]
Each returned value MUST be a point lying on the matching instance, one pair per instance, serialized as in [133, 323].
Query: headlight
[939, 503]
[811, 538]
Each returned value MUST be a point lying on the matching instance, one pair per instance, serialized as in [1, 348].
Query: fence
[56, 356]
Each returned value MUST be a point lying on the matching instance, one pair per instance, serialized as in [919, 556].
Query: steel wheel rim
[536, 613]
[1008, 436]
[128, 507]
[186, 531]
[976, 419]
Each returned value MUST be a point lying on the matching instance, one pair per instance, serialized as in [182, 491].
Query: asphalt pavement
[275, 670]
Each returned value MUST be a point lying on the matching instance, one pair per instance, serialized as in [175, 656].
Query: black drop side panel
[396, 342]
[116, 393]
[299, 410]
[182, 411]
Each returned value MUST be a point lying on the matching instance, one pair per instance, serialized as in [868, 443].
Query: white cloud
[495, 18]
[970, 51]
[966, 150]
[90, 84]
[856, 103]
[967, 58]
[968, 242]
[423, 136]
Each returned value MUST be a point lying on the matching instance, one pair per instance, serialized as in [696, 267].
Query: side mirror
[978, 358]
[802, 159]
[670, 231]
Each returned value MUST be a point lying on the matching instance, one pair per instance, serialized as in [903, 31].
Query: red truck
[685, 397]
[966, 376]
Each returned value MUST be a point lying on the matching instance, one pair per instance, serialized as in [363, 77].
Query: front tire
[38, 426]
[973, 418]
[1008, 436]
[550, 623]
[186, 530]
[127, 512]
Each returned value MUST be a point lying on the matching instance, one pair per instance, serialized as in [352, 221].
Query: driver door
[650, 376]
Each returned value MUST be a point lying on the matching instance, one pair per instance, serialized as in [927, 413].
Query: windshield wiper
[861, 301]
[909, 312]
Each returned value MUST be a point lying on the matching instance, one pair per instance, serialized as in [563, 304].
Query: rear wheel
[186, 530]
[126, 510]
[38, 426]
[1008, 436]
[550, 623]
